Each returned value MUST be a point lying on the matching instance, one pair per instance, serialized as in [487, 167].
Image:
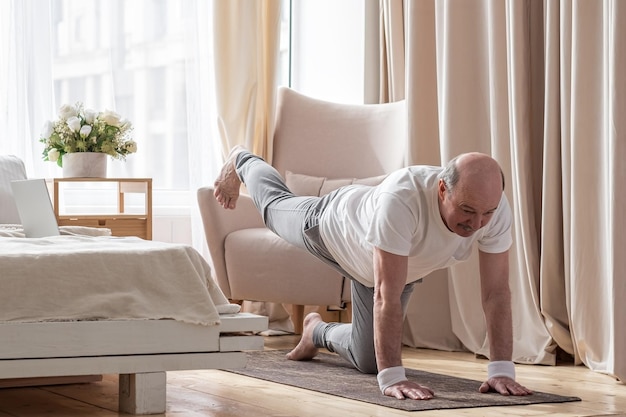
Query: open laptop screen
[35, 208]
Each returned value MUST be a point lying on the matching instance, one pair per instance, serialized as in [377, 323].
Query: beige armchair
[318, 146]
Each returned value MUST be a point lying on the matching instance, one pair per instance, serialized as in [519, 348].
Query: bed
[86, 305]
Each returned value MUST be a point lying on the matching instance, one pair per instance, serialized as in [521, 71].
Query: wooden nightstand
[120, 221]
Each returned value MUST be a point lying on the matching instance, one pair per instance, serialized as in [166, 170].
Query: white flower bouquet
[84, 130]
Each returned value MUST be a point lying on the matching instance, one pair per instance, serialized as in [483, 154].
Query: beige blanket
[103, 277]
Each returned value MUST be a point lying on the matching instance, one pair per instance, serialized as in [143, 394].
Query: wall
[174, 229]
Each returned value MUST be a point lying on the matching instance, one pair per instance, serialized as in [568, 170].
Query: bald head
[469, 168]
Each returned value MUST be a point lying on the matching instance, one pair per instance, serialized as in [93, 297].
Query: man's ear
[441, 189]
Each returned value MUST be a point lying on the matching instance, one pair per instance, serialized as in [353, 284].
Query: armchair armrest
[219, 223]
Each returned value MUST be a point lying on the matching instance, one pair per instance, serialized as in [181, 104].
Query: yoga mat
[330, 374]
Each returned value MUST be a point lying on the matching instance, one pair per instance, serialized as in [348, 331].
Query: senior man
[385, 238]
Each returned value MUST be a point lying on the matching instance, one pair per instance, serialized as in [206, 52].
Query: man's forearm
[496, 300]
[499, 327]
[388, 325]
[390, 279]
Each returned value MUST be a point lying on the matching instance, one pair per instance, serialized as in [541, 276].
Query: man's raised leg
[283, 212]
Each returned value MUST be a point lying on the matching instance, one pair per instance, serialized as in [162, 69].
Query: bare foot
[306, 350]
[227, 184]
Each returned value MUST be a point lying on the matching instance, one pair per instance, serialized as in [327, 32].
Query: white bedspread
[102, 277]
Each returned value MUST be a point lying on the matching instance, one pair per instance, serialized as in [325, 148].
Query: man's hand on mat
[504, 386]
[411, 390]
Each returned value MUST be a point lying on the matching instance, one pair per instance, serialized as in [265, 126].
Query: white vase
[85, 165]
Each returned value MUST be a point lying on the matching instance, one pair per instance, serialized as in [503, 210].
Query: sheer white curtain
[538, 85]
[205, 150]
[26, 94]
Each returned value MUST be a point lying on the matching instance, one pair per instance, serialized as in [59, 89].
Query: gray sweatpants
[296, 219]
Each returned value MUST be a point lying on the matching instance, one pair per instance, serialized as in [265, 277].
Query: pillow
[301, 184]
[11, 168]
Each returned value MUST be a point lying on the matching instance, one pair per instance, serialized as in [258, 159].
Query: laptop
[35, 208]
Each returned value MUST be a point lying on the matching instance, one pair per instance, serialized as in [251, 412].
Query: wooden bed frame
[140, 351]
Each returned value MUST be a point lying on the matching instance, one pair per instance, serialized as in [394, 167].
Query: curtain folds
[247, 40]
[246, 46]
[391, 51]
[540, 86]
[232, 80]
[592, 137]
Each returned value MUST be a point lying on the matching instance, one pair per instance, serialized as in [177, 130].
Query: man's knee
[366, 365]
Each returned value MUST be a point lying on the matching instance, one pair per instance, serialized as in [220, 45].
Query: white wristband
[501, 368]
[389, 376]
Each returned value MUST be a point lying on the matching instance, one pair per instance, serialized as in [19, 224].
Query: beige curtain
[540, 86]
[247, 40]
[391, 49]
[591, 68]
[246, 44]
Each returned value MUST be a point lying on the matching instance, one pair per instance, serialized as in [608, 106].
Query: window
[108, 58]
[129, 56]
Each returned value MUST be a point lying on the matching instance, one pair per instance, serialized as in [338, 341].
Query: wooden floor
[216, 393]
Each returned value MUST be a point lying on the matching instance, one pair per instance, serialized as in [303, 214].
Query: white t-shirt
[401, 216]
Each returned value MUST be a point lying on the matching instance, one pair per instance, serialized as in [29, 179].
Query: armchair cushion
[301, 184]
[246, 249]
